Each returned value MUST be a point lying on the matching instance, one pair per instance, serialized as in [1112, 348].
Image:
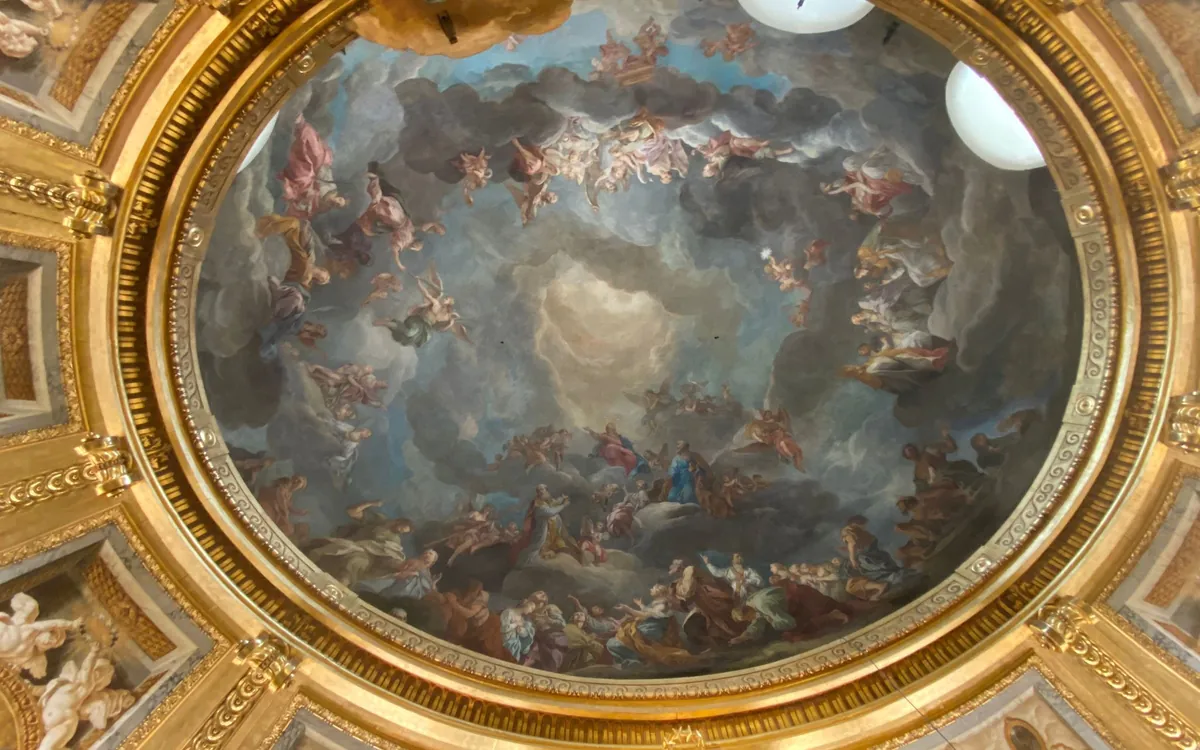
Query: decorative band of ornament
[268, 668]
[1182, 178]
[1062, 6]
[90, 205]
[1059, 627]
[106, 465]
[684, 738]
[1183, 422]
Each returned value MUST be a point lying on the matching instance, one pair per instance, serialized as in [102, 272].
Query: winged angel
[436, 314]
[772, 430]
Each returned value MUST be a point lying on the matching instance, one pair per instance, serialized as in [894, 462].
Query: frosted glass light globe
[815, 17]
[987, 124]
[259, 143]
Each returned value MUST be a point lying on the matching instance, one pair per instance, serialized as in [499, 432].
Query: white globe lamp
[259, 143]
[810, 17]
[987, 124]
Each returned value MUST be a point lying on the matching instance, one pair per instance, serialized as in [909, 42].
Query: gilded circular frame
[186, 171]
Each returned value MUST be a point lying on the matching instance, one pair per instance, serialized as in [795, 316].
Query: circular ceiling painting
[653, 346]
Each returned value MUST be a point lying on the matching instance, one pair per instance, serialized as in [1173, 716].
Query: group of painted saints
[80, 693]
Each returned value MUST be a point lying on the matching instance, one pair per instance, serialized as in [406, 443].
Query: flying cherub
[738, 38]
[613, 54]
[783, 272]
[436, 314]
[814, 254]
[799, 316]
[382, 285]
[654, 402]
[476, 172]
[772, 430]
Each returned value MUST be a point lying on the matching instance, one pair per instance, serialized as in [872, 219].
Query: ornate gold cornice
[1182, 178]
[107, 461]
[1183, 422]
[685, 738]
[435, 681]
[88, 205]
[106, 466]
[1062, 6]
[267, 668]
[1060, 626]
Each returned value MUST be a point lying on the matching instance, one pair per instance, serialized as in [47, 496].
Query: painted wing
[460, 330]
[636, 398]
[784, 418]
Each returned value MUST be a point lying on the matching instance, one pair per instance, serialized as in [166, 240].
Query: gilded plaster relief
[307, 731]
[62, 61]
[1167, 33]
[1161, 595]
[1029, 714]
[37, 384]
[89, 645]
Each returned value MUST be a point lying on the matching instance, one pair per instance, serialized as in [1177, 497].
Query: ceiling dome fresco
[662, 344]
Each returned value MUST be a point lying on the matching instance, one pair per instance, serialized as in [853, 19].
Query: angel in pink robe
[384, 215]
[307, 179]
[869, 195]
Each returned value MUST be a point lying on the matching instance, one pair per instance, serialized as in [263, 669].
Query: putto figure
[24, 641]
[80, 692]
[435, 315]
[739, 38]
[476, 172]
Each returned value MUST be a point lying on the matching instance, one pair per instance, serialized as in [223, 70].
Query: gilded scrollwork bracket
[1062, 6]
[268, 668]
[1060, 626]
[1183, 422]
[108, 463]
[105, 465]
[1182, 178]
[89, 205]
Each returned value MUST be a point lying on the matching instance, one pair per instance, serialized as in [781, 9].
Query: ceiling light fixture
[807, 16]
[259, 143]
[987, 124]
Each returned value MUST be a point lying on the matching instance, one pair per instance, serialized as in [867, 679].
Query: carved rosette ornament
[1183, 422]
[1060, 627]
[268, 668]
[1182, 178]
[107, 463]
